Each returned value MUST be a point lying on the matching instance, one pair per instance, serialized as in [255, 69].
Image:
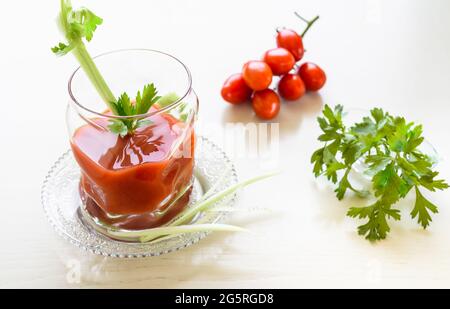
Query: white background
[392, 54]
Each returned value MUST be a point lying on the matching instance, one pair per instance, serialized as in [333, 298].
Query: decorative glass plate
[61, 202]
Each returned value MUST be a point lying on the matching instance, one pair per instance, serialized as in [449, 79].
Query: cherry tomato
[291, 87]
[290, 40]
[235, 90]
[257, 75]
[266, 104]
[313, 76]
[280, 60]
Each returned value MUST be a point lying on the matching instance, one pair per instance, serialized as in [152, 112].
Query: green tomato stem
[308, 22]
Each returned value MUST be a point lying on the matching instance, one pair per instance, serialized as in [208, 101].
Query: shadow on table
[203, 260]
[290, 118]
[404, 234]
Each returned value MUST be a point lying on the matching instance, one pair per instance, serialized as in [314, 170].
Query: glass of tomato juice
[144, 179]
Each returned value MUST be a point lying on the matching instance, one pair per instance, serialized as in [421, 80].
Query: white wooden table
[392, 54]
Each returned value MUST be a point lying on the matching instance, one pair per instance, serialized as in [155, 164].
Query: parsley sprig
[125, 107]
[79, 25]
[389, 148]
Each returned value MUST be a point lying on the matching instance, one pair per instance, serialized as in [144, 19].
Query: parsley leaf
[87, 22]
[76, 25]
[149, 97]
[181, 113]
[61, 49]
[421, 209]
[118, 127]
[389, 186]
[388, 147]
[128, 108]
[377, 226]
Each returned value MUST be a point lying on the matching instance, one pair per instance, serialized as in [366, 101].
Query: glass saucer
[62, 203]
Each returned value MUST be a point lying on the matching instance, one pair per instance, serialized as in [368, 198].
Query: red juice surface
[136, 174]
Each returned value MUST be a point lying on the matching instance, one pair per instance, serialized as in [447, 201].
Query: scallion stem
[150, 234]
[181, 224]
[191, 212]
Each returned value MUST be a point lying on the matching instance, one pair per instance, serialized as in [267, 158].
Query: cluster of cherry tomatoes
[253, 83]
